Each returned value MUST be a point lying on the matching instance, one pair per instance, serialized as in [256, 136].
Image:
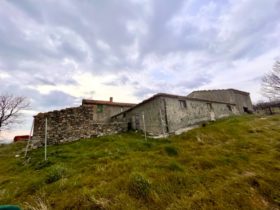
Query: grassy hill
[230, 164]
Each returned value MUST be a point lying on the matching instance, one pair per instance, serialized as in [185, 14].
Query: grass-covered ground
[230, 164]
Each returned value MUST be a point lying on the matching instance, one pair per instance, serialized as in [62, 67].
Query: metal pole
[46, 136]
[144, 126]
[161, 120]
[29, 139]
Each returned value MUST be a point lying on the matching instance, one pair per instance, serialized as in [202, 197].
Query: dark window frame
[183, 104]
[210, 106]
[100, 108]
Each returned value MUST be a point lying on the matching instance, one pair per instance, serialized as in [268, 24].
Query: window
[210, 107]
[183, 103]
[245, 109]
[229, 107]
[99, 108]
[137, 121]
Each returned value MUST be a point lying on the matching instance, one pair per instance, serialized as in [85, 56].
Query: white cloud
[4, 75]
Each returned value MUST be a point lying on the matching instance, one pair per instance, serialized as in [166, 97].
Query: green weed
[139, 186]
[174, 166]
[171, 151]
[55, 174]
[232, 163]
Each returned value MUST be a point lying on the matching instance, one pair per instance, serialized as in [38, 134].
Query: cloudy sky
[57, 52]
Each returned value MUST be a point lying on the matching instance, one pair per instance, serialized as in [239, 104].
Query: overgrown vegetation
[233, 163]
[138, 186]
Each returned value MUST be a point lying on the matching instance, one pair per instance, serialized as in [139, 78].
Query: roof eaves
[93, 102]
[171, 96]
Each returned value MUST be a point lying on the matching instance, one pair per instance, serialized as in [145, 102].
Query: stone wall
[71, 124]
[167, 114]
[103, 112]
[151, 112]
[240, 98]
[272, 107]
[195, 112]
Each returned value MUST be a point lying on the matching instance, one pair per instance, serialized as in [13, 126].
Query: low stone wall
[69, 125]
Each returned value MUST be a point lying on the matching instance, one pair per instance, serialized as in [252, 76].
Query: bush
[139, 186]
[174, 166]
[204, 164]
[42, 164]
[55, 174]
[171, 151]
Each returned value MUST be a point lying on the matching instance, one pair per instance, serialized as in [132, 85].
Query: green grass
[233, 163]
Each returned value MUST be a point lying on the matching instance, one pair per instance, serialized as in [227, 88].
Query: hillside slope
[230, 164]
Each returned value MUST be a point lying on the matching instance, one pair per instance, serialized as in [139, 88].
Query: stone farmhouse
[165, 113]
[240, 98]
[160, 114]
[272, 107]
[90, 119]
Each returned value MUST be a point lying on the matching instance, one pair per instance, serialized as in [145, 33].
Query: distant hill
[233, 163]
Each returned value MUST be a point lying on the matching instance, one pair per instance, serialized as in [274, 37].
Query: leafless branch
[271, 83]
[10, 108]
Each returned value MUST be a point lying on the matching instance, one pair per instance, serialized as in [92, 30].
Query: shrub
[171, 151]
[42, 164]
[204, 164]
[174, 166]
[139, 186]
[55, 174]
[39, 203]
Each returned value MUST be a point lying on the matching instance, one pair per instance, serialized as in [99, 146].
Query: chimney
[111, 99]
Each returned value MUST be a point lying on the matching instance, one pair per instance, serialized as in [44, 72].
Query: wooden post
[46, 137]
[161, 122]
[144, 125]
[29, 139]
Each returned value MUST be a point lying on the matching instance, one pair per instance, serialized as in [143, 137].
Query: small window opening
[210, 106]
[245, 109]
[99, 108]
[183, 103]
[229, 107]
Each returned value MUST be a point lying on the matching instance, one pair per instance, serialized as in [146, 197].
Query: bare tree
[271, 83]
[10, 108]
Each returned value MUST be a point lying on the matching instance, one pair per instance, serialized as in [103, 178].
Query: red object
[21, 138]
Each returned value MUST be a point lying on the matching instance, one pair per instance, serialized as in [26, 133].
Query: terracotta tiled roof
[94, 102]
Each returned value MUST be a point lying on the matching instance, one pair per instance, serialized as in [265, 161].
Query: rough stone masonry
[159, 114]
[70, 124]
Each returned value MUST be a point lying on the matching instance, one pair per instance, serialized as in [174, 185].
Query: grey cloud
[39, 101]
[246, 36]
[56, 100]
[36, 39]
[73, 27]
[89, 21]
[195, 83]
[122, 80]
[144, 92]
[44, 81]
